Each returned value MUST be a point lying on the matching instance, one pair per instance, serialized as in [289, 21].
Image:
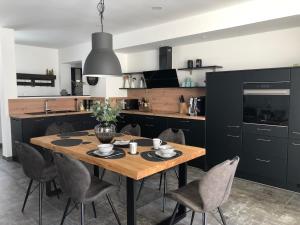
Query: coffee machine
[197, 106]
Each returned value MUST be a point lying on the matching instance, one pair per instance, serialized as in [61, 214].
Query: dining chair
[169, 135]
[129, 129]
[207, 194]
[37, 169]
[80, 187]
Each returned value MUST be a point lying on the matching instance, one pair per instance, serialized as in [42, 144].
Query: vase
[105, 132]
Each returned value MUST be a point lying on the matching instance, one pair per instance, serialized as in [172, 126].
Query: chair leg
[65, 212]
[222, 216]
[165, 191]
[120, 180]
[160, 181]
[81, 213]
[204, 217]
[140, 190]
[176, 173]
[55, 188]
[94, 209]
[41, 185]
[174, 214]
[103, 173]
[27, 194]
[192, 219]
[113, 209]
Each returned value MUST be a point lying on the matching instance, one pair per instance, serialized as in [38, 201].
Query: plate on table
[121, 143]
[99, 153]
[165, 156]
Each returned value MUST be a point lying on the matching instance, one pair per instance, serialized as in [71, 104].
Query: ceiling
[62, 23]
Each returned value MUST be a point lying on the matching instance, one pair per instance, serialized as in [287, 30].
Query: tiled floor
[249, 204]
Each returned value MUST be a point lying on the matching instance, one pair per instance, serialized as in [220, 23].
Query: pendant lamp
[102, 60]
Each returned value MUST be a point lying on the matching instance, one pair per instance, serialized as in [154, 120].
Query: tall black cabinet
[223, 116]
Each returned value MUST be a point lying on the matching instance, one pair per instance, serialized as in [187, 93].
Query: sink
[50, 112]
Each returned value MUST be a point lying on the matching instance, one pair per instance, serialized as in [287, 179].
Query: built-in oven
[266, 103]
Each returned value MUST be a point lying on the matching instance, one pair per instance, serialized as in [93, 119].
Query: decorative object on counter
[78, 85]
[188, 82]
[142, 82]
[198, 63]
[93, 81]
[50, 72]
[132, 82]
[81, 107]
[64, 92]
[191, 110]
[107, 115]
[190, 64]
[145, 105]
[102, 60]
[183, 108]
[126, 81]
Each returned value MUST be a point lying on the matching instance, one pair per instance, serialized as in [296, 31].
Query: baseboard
[7, 158]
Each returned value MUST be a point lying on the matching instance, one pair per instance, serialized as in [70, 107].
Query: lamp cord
[101, 8]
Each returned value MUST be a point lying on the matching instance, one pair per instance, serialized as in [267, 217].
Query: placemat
[67, 142]
[73, 134]
[146, 142]
[118, 154]
[151, 156]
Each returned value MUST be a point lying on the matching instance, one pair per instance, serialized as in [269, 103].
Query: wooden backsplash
[166, 99]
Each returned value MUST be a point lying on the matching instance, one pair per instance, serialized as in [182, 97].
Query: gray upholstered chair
[131, 129]
[37, 169]
[77, 183]
[209, 193]
[173, 136]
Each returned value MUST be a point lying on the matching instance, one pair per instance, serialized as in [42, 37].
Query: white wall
[106, 87]
[35, 60]
[262, 50]
[8, 87]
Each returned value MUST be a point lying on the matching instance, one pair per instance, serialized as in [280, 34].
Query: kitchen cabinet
[294, 120]
[266, 75]
[24, 129]
[293, 175]
[223, 116]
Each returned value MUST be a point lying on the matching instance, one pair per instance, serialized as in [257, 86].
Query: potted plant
[106, 113]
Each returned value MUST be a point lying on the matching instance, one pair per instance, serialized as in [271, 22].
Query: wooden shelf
[132, 88]
[25, 79]
[202, 68]
[160, 88]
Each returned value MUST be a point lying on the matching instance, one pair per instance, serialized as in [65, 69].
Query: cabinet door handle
[233, 126]
[263, 129]
[264, 140]
[295, 144]
[263, 160]
[233, 136]
[295, 132]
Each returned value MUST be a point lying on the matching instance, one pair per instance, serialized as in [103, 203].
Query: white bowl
[166, 149]
[105, 148]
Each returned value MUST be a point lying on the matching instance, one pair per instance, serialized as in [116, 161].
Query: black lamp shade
[102, 60]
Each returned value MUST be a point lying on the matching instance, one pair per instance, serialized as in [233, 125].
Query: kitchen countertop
[28, 116]
[164, 114]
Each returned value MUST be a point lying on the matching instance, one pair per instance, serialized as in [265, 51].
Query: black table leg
[182, 209]
[131, 201]
[96, 171]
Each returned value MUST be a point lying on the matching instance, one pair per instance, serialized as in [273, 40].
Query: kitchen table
[133, 167]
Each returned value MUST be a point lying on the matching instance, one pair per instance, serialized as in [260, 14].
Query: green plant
[105, 112]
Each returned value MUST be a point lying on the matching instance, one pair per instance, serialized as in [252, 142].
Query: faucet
[46, 107]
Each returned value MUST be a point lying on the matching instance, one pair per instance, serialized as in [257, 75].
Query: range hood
[161, 78]
[165, 76]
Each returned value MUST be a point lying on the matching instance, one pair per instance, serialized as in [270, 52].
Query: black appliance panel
[161, 78]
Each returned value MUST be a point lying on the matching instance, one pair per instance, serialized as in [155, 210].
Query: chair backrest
[73, 176]
[131, 129]
[32, 161]
[215, 187]
[173, 135]
[58, 128]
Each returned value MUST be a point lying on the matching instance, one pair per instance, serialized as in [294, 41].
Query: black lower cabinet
[152, 126]
[24, 129]
[293, 172]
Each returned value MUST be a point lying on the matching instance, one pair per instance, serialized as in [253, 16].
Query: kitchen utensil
[190, 64]
[198, 63]
[156, 143]
[133, 148]
[105, 148]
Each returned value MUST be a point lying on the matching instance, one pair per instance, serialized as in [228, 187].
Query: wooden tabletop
[133, 166]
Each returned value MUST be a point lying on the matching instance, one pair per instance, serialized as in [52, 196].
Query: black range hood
[161, 78]
[165, 76]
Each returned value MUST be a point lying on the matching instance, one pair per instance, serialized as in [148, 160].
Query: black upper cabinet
[294, 121]
[223, 116]
[266, 75]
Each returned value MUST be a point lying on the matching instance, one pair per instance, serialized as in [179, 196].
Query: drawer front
[181, 123]
[265, 169]
[265, 147]
[294, 163]
[295, 134]
[276, 131]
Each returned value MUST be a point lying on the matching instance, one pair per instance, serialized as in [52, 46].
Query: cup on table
[156, 143]
[133, 148]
